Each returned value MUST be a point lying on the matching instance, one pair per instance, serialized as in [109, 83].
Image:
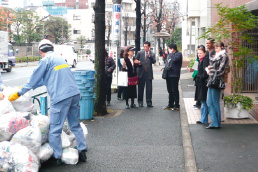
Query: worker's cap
[45, 43]
[132, 49]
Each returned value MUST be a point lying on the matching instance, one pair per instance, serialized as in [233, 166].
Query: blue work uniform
[1, 83]
[53, 72]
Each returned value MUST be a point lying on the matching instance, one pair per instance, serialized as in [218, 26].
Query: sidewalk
[25, 64]
[153, 139]
[232, 148]
[140, 139]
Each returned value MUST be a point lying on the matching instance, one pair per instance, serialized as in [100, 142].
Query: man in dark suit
[145, 74]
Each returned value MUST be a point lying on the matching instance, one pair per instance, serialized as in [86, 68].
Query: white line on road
[15, 78]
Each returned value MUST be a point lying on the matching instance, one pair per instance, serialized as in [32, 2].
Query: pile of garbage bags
[24, 136]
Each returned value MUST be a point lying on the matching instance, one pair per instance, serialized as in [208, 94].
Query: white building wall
[81, 22]
[198, 11]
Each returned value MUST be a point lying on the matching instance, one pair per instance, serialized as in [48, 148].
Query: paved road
[141, 139]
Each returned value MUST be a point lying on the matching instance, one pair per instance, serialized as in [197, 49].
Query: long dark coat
[201, 80]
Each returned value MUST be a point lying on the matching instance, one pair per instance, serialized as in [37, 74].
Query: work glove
[1, 96]
[13, 97]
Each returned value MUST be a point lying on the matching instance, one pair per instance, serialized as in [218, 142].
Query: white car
[68, 53]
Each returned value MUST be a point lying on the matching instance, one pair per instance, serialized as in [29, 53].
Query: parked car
[68, 53]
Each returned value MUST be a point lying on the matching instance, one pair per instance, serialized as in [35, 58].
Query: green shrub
[25, 59]
[233, 100]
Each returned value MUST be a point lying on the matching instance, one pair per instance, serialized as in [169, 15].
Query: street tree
[100, 105]
[31, 26]
[146, 24]
[176, 38]
[57, 28]
[6, 19]
[81, 40]
[17, 25]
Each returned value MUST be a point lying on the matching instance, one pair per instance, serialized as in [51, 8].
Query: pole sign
[116, 21]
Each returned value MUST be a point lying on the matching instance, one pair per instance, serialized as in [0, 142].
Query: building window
[76, 17]
[76, 32]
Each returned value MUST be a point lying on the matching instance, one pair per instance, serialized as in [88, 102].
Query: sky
[20, 3]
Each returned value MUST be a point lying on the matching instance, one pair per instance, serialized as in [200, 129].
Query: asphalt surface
[233, 148]
[140, 139]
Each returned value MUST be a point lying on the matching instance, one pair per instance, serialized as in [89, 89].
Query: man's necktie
[146, 57]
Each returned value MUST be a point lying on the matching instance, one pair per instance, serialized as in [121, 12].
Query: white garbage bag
[45, 152]
[65, 140]
[23, 103]
[42, 122]
[85, 130]
[6, 106]
[5, 135]
[29, 137]
[13, 122]
[85, 133]
[70, 156]
[17, 158]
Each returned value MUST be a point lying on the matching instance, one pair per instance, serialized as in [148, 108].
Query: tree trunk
[100, 105]
[144, 21]
[138, 26]
[126, 35]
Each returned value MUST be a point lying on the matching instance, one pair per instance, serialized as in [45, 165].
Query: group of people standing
[138, 67]
[211, 61]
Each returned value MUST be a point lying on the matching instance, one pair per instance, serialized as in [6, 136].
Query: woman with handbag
[216, 72]
[200, 80]
[130, 65]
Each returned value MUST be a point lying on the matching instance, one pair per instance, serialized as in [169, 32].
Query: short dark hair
[147, 42]
[122, 53]
[106, 53]
[211, 40]
[172, 45]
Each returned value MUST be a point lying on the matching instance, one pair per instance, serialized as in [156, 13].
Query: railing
[42, 102]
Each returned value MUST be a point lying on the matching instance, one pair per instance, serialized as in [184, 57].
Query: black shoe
[82, 156]
[108, 103]
[127, 107]
[52, 162]
[199, 122]
[176, 109]
[149, 105]
[133, 106]
[140, 104]
[210, 127]
[168, 108]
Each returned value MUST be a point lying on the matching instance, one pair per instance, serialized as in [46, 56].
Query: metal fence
[250, 73]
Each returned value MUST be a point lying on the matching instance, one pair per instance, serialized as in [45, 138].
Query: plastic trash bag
[6, 106]
[45, 152]
[1, 96]
[23, 103]
[85, 130]
[65, 140]
[5, 135]
[42, 122]
[70, 156]
[29, 137]
[15, 157]
[13, 122]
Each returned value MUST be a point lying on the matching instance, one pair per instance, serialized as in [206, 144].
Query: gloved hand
[13, 96]
[1, 96]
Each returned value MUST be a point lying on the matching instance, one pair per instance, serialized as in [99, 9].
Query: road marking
[15, 78]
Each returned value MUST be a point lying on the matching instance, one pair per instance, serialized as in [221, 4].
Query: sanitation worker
[53, 72]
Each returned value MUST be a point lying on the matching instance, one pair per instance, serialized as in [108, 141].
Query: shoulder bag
[216, 82]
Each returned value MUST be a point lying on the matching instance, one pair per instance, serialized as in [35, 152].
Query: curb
[190, 163]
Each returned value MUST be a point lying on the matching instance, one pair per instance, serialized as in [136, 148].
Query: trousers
[173, 93]
[70, 109]
[145, 80]
[213, 98]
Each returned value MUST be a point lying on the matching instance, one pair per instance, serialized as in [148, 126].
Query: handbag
[122, 79]
[165, 73]
[216, 82]
[133, 81]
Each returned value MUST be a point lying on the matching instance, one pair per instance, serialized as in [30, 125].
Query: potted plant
[232, 28]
